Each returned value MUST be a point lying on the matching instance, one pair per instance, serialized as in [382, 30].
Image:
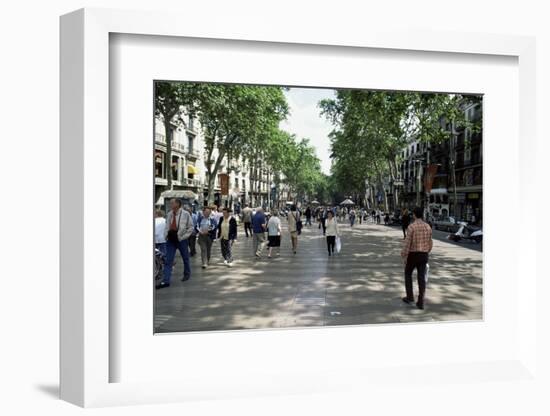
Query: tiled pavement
[361, 285]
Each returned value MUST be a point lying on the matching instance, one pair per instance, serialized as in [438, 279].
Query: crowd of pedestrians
[181, 229]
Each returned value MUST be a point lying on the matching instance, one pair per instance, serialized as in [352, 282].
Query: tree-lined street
[387, 154]
[361, 285]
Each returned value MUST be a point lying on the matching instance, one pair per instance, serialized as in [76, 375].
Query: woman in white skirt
[274, 232]
[332, 232]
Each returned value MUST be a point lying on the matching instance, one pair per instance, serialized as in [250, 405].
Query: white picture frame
[85, 350]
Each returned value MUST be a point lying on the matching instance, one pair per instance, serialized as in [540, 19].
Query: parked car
[449, 224]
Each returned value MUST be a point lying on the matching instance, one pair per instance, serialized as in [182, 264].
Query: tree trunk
[393, 172]
[168, 134]
[212, 176]
[268, 190]
[371, 196]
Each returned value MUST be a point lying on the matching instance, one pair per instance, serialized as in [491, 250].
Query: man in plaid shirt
[415, 251]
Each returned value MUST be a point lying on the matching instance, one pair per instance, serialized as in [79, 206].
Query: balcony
[178, 147]
[193, 153]
[161, 181]
[195, 183]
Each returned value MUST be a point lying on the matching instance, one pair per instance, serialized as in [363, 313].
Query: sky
[305, 120]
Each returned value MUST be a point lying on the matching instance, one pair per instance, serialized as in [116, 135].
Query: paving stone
[361, 285]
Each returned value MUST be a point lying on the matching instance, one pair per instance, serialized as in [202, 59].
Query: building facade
[457, 187]
[246, 182]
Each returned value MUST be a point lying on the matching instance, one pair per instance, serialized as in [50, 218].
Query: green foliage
[243, 120]
[372, 127]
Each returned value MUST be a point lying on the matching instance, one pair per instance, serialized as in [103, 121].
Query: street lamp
[454, 187]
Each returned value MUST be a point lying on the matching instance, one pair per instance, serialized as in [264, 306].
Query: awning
[192, 169]
[177, 193]
[347, 202]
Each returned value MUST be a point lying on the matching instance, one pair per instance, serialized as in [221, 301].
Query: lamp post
[453, 172]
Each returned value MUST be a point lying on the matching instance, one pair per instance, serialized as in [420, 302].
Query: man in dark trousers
[179, 226]
[247, 220]
[416, 249]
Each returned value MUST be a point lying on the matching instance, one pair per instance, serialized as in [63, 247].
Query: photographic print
[285, 207]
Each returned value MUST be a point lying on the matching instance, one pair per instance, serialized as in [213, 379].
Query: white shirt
[160, 225]
[273, 226]
[332, 227]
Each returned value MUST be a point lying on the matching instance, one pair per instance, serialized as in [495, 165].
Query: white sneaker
[225, 262]
[229, 264]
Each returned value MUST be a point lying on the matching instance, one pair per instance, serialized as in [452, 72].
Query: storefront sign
[429, 177]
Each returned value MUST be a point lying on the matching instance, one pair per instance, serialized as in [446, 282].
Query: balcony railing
[193, 153]
[161, 138]
[178, 146]
[192, 182]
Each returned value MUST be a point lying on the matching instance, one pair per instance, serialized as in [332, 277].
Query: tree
[372, 127]
[170, 99]
[234, 117]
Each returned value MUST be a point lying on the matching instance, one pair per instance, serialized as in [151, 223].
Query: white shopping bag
[427, 273]
[338, 244]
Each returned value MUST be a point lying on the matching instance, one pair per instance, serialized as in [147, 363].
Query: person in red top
[416, 248]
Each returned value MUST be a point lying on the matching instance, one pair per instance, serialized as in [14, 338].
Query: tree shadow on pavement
[361, 285]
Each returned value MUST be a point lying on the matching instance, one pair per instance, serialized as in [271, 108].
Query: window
[159, 165]
[175, 164]
[191, 123]
[191, 142]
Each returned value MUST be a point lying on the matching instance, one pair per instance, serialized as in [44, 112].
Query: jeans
[226, 250]
[416, 260]
[205, 243]
[192, 244]
[248, 228]
[183, 247]
[308, 220]
[331, 242]
[258, 243]
[161, 247]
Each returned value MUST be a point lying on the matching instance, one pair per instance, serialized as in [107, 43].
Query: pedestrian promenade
[361, 285]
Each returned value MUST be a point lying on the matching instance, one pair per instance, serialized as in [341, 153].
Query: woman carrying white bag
[332, 233]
